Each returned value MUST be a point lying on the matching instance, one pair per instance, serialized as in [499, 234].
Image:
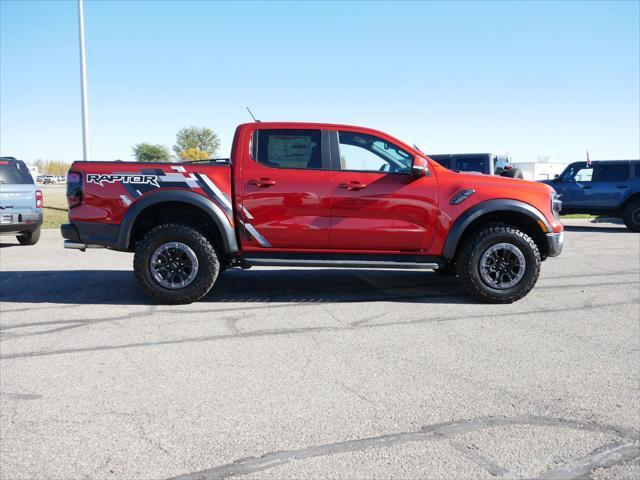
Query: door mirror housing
[420, 168]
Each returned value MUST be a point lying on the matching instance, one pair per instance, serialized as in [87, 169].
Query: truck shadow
[119, 287]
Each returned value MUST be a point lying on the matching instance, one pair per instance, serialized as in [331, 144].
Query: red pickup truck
[319, 195]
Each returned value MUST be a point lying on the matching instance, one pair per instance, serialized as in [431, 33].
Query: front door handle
[623, 186]
[586, 187]
[262, 182]
[353, 185]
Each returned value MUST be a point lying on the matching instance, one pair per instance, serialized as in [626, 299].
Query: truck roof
[324, 126]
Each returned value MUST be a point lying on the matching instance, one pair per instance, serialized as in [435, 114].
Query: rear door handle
[623, 186]
[262, 182]
[353, 185]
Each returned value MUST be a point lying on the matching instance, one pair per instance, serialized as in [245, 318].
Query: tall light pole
[83, 84]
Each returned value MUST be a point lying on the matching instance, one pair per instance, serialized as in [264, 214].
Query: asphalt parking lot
[313, 373]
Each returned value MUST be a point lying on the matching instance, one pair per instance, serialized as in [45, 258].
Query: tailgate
[17, 198]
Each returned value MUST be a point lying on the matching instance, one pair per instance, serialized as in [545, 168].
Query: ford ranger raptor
[313, 195]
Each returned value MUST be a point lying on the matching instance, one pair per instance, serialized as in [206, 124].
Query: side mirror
[556, 178]
[419, 171]
[420, 168]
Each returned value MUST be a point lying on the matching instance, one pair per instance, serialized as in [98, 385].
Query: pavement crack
[604, 457]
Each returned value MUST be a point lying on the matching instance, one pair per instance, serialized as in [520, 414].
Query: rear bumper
[90, 234]
[22, 222]
[70, 232]
[554, 243]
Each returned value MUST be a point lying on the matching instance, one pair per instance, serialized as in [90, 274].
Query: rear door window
[615, 172]
[14, 172]
[288, 148]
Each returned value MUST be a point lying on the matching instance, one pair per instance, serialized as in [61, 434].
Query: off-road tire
[30, 238]
[208, 264]
[632, 216]
[468, 263]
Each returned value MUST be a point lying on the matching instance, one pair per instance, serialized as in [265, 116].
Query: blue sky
[528, 78]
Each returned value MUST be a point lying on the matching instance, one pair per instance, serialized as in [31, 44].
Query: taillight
[39, 198]
[74, 188]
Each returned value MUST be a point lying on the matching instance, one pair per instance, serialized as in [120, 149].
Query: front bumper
[554, 243]
[21, 222]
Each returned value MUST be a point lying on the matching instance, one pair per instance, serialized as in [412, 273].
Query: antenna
[254, 118]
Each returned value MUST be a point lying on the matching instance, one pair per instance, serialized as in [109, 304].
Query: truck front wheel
[499, 264]
[175, 264]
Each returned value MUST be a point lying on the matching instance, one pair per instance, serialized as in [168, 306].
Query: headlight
[556, 204]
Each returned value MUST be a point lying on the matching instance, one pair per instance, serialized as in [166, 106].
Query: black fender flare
[482, 208]
[227, 232]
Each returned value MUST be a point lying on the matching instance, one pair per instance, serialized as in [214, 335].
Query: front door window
[366, 153]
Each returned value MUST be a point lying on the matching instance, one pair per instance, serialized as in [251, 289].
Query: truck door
[574, 187]
[610, 184]
[285, 190]
[377, 205]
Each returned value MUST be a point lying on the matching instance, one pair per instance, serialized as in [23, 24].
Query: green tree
[203, 139]
[147, 152]
[193, 154]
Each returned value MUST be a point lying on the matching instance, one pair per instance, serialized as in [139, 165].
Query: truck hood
[479, 182]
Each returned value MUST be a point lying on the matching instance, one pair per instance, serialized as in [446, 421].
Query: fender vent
[461, 196]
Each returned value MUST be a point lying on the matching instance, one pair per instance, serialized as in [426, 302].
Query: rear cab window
[472, 164]
[14, 172]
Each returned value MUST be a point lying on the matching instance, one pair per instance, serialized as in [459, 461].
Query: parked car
[487, 163]
[49, 180]
[305, 194]
[40, 179]
[602, 188]
[20, 202]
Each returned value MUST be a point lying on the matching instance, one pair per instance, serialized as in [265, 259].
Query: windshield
[14, 172]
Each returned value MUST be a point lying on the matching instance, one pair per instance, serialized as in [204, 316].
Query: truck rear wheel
[499, 264]
[632, 216]
[30, 238]
[176, 264]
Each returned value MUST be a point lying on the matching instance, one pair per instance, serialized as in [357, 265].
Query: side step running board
[287, 262]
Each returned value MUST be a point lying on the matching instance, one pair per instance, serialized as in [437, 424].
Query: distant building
[540, 170]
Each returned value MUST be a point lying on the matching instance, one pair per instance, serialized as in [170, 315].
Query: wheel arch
[513, 212]
[631, 198]
[173, 199]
